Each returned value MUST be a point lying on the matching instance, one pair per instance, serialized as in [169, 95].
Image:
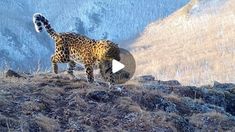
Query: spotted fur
[72, 48]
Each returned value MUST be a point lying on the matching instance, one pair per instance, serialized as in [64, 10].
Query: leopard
[72, 48]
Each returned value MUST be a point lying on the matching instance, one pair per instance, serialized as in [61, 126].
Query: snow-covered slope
[195, 45]
[118, 20]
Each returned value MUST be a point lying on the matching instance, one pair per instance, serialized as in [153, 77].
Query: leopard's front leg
[106, 71]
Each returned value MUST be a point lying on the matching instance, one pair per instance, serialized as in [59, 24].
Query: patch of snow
[118, 20]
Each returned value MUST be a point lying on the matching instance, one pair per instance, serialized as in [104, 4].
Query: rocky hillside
[195, 45]
[46, 102]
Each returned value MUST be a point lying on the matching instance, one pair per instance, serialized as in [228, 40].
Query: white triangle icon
[117, 66]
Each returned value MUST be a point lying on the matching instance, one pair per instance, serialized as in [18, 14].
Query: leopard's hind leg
[58, 58]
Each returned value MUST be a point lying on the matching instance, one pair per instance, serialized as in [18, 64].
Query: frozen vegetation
[22, 48]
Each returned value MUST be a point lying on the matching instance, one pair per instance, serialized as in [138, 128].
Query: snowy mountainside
[118, 20]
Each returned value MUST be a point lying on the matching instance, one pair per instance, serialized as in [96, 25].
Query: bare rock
[151, 102]
[223, 86]
[230, 101]
[11, 73]
[215, 98]
[99, 96]
[146, 78]
[170, 83]
[212, 121]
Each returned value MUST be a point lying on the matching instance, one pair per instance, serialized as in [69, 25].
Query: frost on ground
[47, 102]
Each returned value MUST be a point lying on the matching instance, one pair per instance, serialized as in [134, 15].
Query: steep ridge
[195, 45]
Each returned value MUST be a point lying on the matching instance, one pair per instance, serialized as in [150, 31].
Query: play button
[116, 66]
[122, 70]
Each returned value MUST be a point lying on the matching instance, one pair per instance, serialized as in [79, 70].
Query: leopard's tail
[39, 20]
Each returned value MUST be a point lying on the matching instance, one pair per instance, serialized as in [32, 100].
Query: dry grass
[195, 49]
[47, 102]
[212, 121]
[47, 124]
